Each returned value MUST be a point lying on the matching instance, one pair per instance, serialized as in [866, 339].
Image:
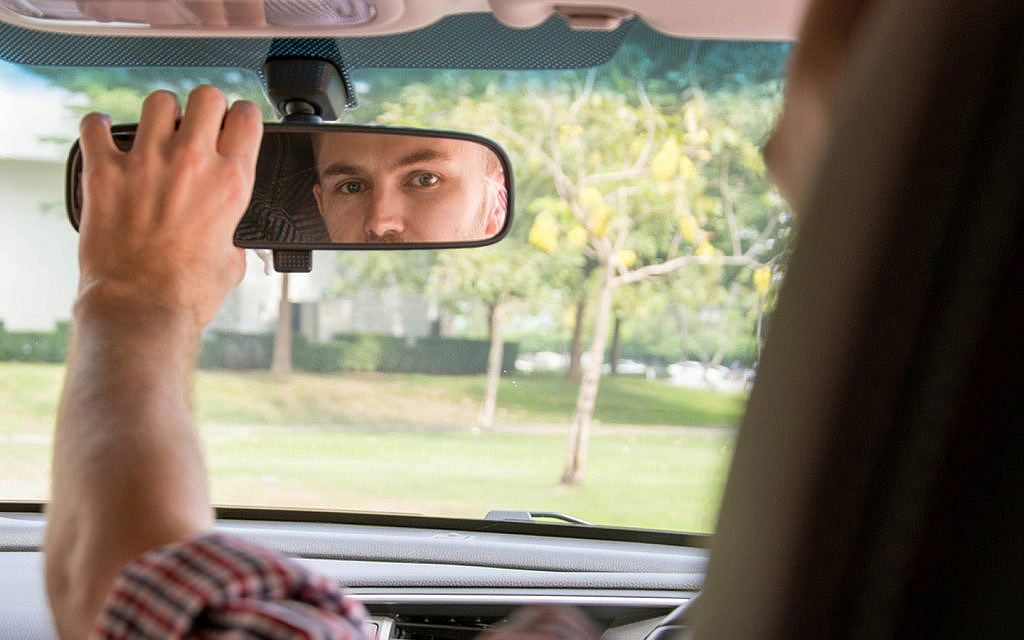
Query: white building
[39, 256]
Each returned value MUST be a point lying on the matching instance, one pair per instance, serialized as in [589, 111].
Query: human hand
[157, 221]
[544, 623]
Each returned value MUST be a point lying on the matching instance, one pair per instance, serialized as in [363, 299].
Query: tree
[498, 276]
[685, 215]
[624, 180]
[281, 363]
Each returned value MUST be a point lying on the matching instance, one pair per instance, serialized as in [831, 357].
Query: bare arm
[156, 260]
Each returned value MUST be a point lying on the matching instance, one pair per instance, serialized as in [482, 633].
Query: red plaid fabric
[217, 586]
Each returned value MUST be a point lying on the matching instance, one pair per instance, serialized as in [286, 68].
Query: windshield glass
[594, 363]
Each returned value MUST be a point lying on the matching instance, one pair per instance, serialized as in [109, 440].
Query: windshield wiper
[531, 516]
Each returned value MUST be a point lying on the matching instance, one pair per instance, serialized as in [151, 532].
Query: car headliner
[458, 41]
[724, 19]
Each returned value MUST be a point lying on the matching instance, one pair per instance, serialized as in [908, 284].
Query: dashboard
[425, 583]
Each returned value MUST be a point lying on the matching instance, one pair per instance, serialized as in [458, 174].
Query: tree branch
[566, 188]
[763, 236]
[727, 207]
[667, 267]
[640, 166]
[584, 94]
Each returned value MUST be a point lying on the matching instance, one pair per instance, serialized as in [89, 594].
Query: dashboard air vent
[440, 627]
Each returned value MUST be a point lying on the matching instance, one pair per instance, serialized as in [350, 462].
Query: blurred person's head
[795, 146]
[393, 188]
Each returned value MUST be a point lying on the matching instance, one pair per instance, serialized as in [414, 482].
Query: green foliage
[659, 151]
[449, 356]
[233, 350]
[355, 352]
[35, 346]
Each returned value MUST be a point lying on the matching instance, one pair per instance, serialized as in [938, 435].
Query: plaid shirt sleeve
[217, 586]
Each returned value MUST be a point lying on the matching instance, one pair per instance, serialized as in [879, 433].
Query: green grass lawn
[401, 443]
[422, 400]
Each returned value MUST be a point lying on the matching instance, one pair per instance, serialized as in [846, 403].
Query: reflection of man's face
[388, 188]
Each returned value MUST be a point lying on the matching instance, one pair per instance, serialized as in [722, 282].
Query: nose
[386, 218]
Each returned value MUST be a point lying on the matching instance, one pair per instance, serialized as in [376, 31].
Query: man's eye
[426, 180]
[351, 186]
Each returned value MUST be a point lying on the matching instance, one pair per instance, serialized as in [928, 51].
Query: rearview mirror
[352, 187]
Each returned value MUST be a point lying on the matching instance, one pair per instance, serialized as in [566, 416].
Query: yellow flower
[544, 232]
[707, 206]
[762, 280]
[666, 161]
[601, 222]
[687, 169]
[705, 250]
[590, 197]
[626, 257]
[577, 237]
[689, 229]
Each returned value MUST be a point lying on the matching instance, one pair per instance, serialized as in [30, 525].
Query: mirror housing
[349, 187]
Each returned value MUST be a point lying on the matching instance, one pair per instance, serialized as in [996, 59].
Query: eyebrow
[411, 158]
[339, 168]
[420, 155]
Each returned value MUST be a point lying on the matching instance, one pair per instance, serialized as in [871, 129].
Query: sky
[42, 114]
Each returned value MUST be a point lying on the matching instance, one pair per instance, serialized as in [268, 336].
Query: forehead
[381, 148]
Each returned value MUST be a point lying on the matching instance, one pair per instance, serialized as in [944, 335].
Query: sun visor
[199, 17]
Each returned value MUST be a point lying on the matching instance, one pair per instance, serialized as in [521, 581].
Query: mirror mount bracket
[301, 86]
[299, 110]
[304, 90]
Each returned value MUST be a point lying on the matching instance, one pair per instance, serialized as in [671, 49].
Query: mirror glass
[350, 187]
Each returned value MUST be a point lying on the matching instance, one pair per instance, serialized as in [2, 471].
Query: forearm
[127, 471]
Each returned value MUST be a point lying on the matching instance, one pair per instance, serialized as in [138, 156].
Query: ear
[495, 220]
[317, 196]
[498, 212]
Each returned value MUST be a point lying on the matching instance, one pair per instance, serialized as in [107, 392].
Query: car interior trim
[769, 19]
[519, 599]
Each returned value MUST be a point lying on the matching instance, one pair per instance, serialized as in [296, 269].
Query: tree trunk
[282, 361]
[615, 345]
[433, 314]
[576, 344]
[579, 431]
[684, 333]
[494, 358]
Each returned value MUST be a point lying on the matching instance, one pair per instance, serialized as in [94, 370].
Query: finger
[238, 266]
[243, 132]
[204, 115]
[160, 112]
[95, 138]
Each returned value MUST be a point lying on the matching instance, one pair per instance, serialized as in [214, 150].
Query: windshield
[594, 363]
